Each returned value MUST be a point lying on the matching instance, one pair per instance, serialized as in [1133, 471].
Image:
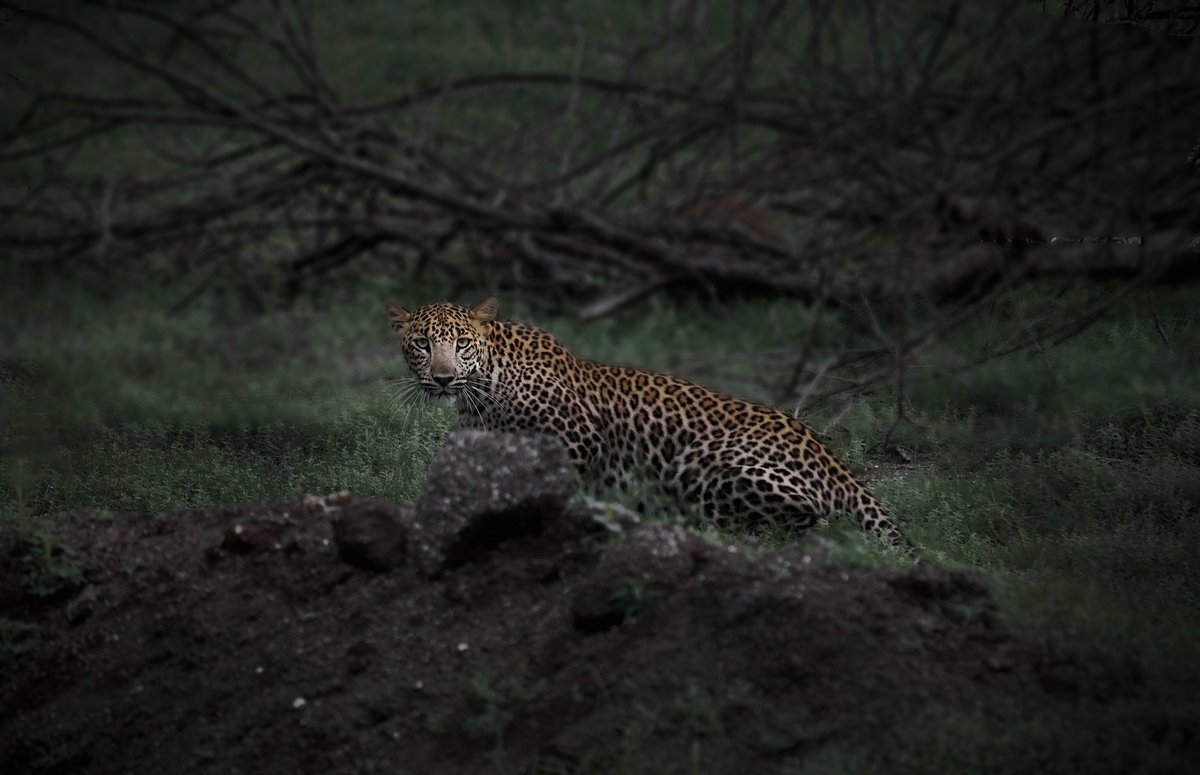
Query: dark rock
[939, 584]
[82, 606]
[359, 656]
[635, 574]
[1093, 670]
[373, 534]
[767, 657]
[323, 504]
[959, 594]
[485, 488]
[255, 535]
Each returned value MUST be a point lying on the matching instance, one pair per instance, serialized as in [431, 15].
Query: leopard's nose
[443, 379]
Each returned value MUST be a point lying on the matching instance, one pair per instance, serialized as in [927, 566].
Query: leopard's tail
[875, 519]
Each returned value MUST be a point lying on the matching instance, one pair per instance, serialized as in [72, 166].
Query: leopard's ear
[485, 311]
[398, 316]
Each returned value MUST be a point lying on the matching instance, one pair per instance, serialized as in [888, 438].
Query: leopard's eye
[464, 343]
[421, 343]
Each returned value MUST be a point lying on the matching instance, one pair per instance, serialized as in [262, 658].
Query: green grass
[120, 404]
[1072, 475]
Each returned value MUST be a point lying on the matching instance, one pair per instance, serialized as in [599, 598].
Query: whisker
[406, 393]
[484, 399]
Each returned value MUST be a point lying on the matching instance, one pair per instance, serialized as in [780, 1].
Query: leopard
[736, 461]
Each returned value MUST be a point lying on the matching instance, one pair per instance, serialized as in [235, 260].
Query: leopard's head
[445, 344]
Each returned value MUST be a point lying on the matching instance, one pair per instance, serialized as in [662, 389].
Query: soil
[339, 634]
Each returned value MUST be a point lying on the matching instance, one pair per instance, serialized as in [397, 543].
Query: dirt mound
[516, 631]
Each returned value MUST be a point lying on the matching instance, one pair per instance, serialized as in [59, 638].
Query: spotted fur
[740, 462]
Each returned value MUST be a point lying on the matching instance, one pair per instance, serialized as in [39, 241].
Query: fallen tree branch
[752, 166]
